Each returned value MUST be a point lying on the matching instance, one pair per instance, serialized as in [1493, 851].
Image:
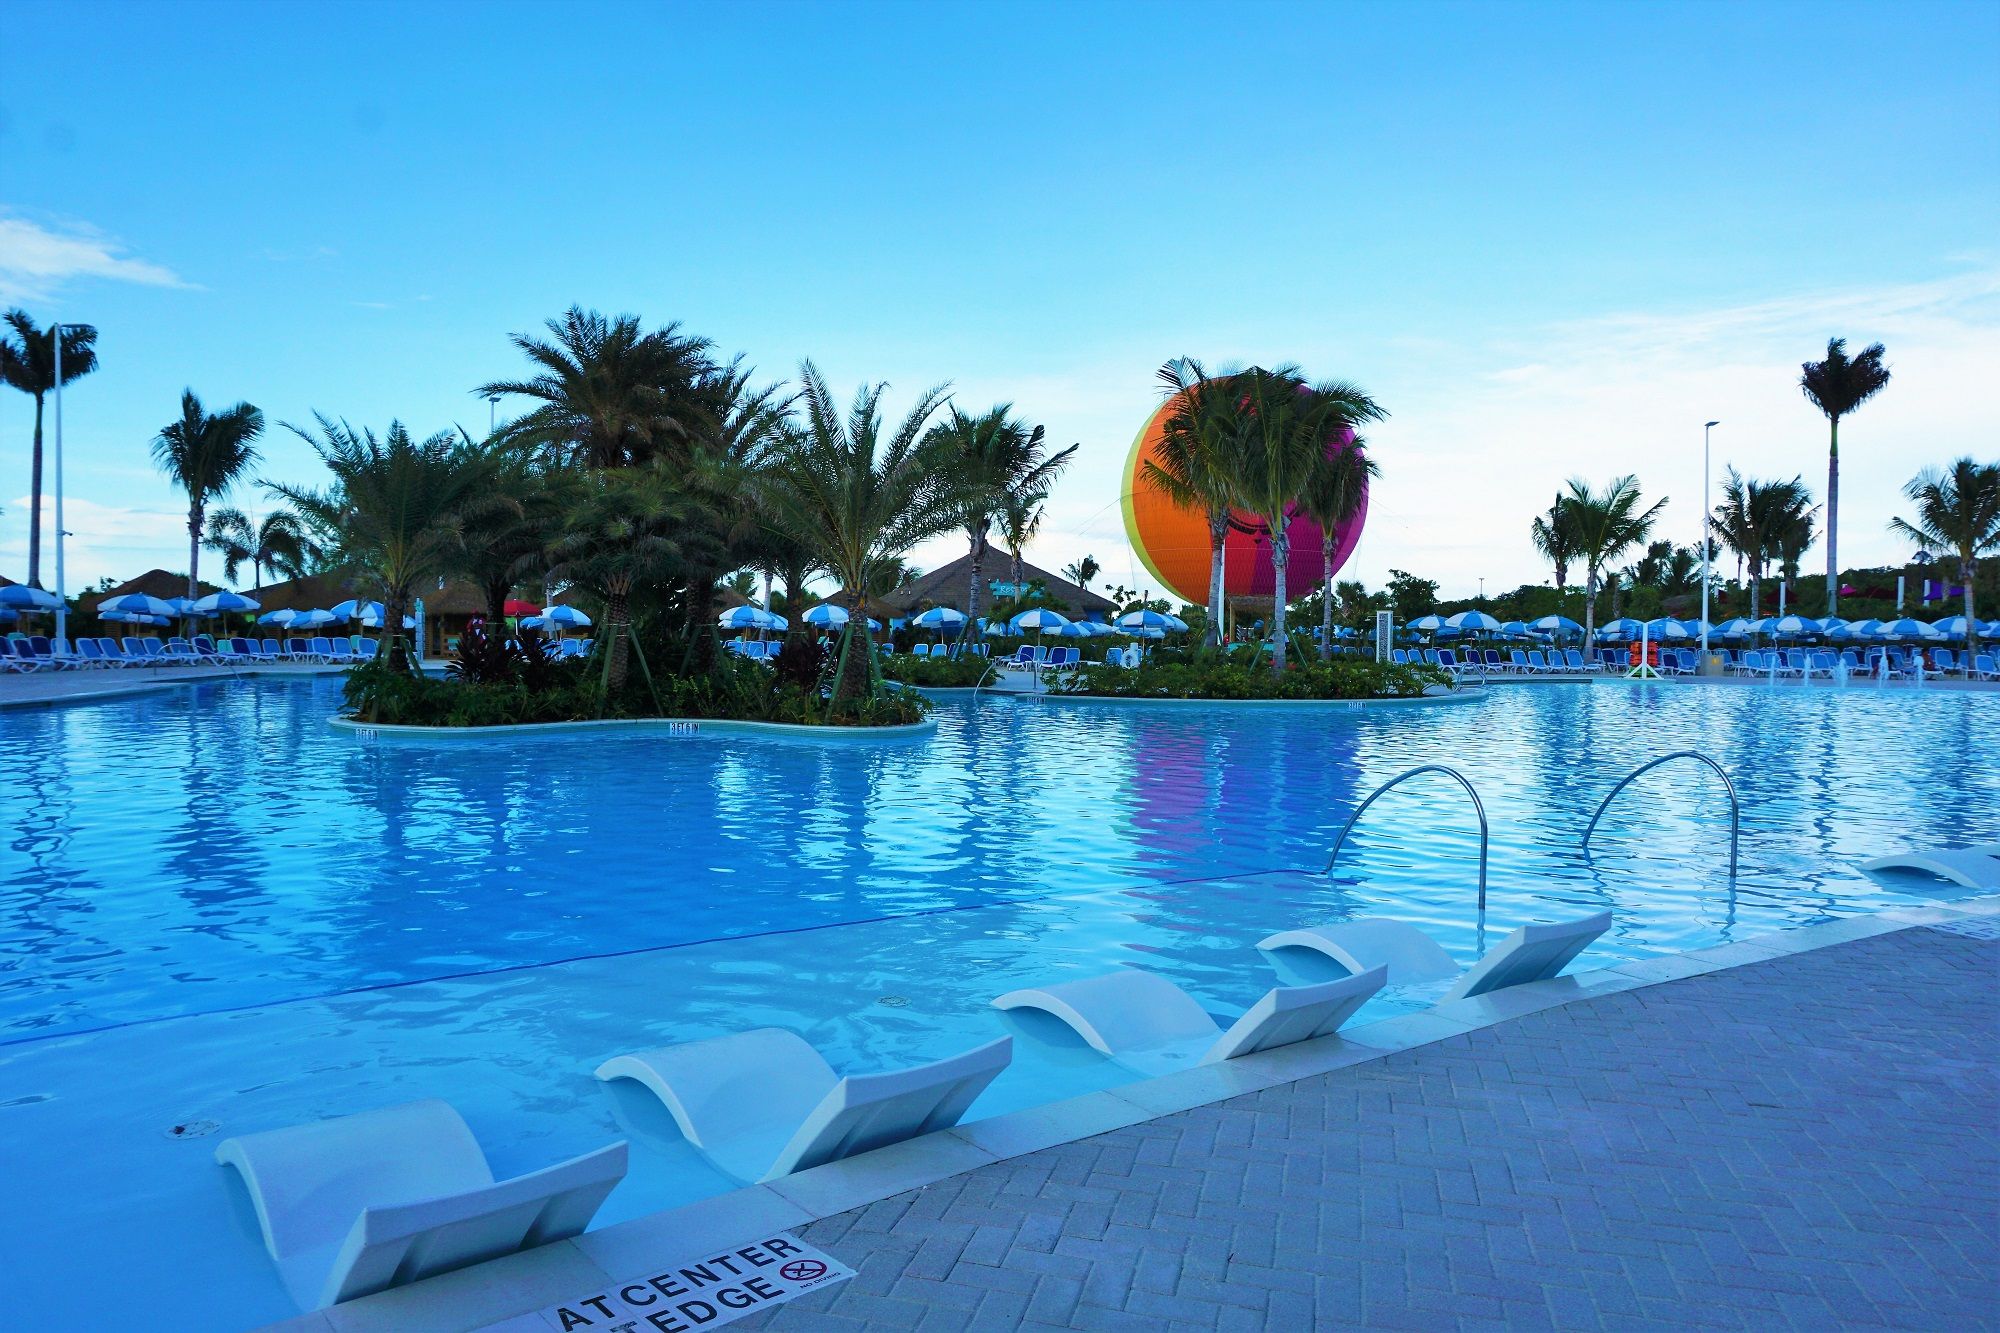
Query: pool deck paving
[1806, 1141]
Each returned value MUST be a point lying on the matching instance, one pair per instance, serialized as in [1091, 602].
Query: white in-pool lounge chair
[763, 1104]
[366, 1202]
[1968, 867]
[1531, 953]
[1148, 1024]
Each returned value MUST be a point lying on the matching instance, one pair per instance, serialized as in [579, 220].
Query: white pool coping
[520, 1285]
[701, 726]
[1457, 696]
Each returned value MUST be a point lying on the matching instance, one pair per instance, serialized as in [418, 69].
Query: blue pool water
[214, 910]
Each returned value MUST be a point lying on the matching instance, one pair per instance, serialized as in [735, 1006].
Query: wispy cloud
[36, 260]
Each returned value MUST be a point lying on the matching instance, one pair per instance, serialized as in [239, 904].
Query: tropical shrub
[936, 672]
[1212, 676]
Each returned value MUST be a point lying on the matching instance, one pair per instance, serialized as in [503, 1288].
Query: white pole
[1704, 539]
[62, 591]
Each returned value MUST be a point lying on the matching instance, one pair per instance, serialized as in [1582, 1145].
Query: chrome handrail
[1735, 806]
[1455, 776]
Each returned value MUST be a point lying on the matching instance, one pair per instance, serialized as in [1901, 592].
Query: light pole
[1706, 428]
[492, 410]
[62, 590]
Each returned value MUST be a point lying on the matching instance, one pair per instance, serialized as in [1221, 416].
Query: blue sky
[1551, 239]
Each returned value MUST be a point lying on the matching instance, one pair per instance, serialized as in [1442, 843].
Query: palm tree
[1287, 426]
[1605, 525]
[1196, 466]
[1793, 531]
[1837, 386]
[507, 541]
[609, 394]
[1333, 494]
[1758, 520]
[396, 507]
[994, 457]
[1958, 509]
[1021, 515]
[205, 453]
[622, 528]
[859, 498]
[1081, 572]
[1553, 537]
[276, 542]
[28, 362]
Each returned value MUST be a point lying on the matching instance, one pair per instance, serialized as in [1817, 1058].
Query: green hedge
[1212, 677]
[937, 672]
[736, 691]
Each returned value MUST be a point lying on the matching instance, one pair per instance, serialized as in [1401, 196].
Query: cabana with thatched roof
[946, 586]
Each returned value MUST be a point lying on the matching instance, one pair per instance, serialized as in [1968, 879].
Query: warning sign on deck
[713, 1288]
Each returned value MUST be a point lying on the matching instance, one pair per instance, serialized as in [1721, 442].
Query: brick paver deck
[1804, 1143]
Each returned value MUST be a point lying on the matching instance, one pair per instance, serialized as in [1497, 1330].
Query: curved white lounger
[763, 1104]
[1149, 1024]
[365, 1202]
[1969, 867]
[1531, 953]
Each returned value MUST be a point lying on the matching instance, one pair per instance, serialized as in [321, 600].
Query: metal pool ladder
[1735, 807]
[1455, 776]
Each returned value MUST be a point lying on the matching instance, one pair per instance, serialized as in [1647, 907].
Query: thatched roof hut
[945, 586]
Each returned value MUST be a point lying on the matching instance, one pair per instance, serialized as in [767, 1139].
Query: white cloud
[36, 260]
[106, 541]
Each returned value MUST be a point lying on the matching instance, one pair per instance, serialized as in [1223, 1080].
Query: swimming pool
[216, 912]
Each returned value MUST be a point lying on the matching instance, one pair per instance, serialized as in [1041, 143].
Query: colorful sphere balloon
[1173, 542]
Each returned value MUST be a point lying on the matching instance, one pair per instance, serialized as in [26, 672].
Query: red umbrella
[517, 607]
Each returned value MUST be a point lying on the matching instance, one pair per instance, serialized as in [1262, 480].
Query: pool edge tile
[896, 1169]
[1405, 1031]
[668, 1235]
[468, 1299]
[1033, 1128]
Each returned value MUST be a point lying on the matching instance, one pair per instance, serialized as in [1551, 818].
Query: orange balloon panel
[1173, 542]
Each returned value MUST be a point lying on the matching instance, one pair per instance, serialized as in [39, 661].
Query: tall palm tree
[860, 497]
[28, 362]
[994, 457]
[1794, 528]
[1731, 525]
[1021, 515]
[1555, 540]
[608, 393]
[1286, 427]
[396, 506]
[205, 453]
[1958, 509]
[1333, 494]
[1837, 386]
[1196, 466]
[276, 542]
[1606, 524]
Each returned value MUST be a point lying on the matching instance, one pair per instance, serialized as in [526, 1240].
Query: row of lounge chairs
[40, 653]
[364, 1202]
[1890, 663]
[1488, 661]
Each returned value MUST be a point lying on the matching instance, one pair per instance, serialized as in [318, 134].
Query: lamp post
[492, 410]
[1706, 428]
[62, 589]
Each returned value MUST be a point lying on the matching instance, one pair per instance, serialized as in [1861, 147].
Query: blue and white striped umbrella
[749, 617]
[312, 619]
[1790, 625]
[223, 603]
[1176, 625]
[1737, 628]
[372, 619]
[826, 615]
[356, 609]
[1555, 625]
[566, 616]
[1040, 620]
[1952, 627]
[1907, 628]
[1666, 627]
[138, 603]
[1472, 621]
[183, 606]
[1622, 628]
[25, 597]
[939, 617]
[281, 617]
[1146, 618]
[1426, 623]
[1863, 628]
[131, 618]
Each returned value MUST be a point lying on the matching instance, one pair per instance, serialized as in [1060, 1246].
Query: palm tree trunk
[194, 560]
[1756, 586]
[1326, 598]
[856, 671]
[394, 599]
[976, 553]
[1968, 565]
[1590, 610]
[795, 595]
[1016, 553]
[1281, 555]
[35, 505]
[1218, 537]
[617, 626]
[1833, 519]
